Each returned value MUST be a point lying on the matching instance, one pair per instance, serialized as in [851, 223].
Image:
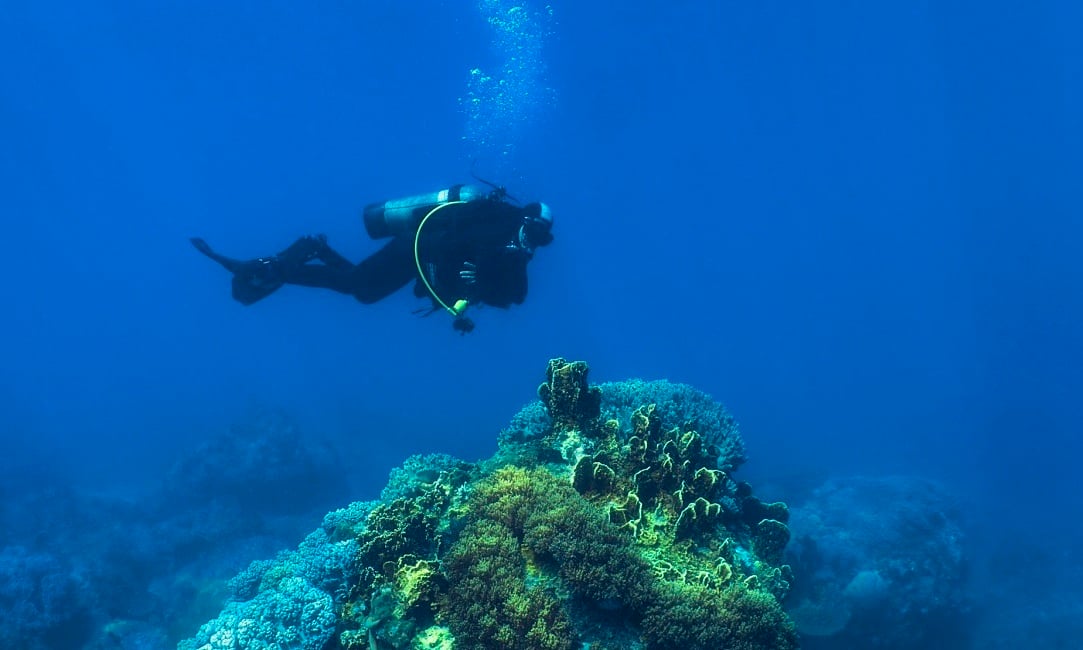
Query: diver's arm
[502, 279]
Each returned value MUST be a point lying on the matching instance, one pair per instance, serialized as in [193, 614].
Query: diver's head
[537, 226]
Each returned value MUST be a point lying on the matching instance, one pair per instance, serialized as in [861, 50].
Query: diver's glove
[469, 274]
[462, 325]
[468, 282]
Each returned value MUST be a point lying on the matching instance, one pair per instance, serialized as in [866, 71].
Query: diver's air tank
[402, 216]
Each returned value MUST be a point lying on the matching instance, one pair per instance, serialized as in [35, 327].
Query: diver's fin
[255, 280]
[228, 263]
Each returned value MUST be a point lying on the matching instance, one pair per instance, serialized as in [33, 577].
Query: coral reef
[258, 465]
[44, 601]
[123, 571]
[879, 564]
[680, 405]
[607, 518]
[289, 602]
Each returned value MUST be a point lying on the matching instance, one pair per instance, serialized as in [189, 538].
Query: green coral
[683, 616]
[530, 538]
[489, 603]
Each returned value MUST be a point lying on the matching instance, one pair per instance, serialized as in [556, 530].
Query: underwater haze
[858, 226]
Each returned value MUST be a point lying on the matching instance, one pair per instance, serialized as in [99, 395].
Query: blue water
[856, 225]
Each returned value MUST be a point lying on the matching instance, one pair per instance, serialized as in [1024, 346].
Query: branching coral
[285, 603]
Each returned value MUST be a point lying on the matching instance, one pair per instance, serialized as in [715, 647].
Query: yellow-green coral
[435, 637]
[417, 583]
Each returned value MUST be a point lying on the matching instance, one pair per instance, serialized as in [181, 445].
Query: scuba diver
[463, 245]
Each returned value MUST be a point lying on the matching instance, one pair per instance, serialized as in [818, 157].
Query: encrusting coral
[584, 530]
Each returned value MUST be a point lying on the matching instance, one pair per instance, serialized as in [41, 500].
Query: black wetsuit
[484, 233]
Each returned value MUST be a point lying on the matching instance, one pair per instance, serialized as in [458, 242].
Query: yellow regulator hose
[460, 305]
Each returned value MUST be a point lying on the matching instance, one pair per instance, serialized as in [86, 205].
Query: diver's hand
[515, 250]
[469, 274]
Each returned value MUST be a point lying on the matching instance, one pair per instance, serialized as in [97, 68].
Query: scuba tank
[402, 216]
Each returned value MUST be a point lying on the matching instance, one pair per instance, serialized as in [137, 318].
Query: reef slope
[608, 518]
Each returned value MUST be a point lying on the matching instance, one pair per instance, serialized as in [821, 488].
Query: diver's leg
[332, 258]
[336, 278]
[378, 276]
[303, 250]
[228, 263]
[385, 271]
[254, 280]
[335, 273]
[374, 278]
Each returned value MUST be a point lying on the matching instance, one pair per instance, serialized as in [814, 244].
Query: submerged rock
[608, 518]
